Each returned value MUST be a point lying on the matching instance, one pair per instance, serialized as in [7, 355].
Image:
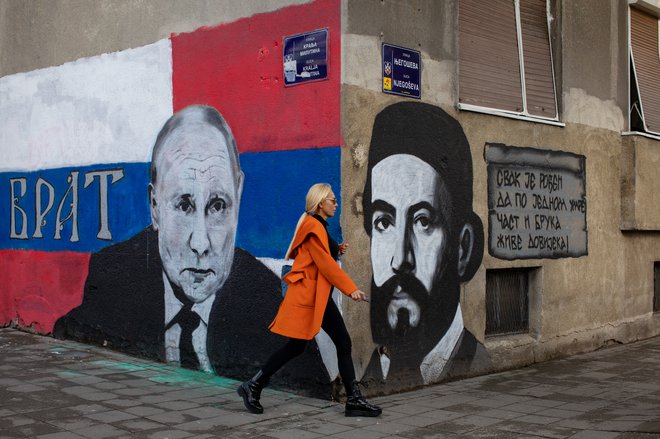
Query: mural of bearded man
[425, 241]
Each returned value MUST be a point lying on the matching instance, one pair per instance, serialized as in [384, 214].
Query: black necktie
[188, 321]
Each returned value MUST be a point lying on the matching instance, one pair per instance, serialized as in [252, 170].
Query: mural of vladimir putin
[425, 241]
[180, 291]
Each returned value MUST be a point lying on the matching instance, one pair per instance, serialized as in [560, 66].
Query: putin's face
[409, 247]
[194, 207]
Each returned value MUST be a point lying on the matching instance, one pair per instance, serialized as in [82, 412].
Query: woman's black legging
[333, 325]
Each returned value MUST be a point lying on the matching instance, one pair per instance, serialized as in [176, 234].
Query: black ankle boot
[250, 391]
[356, 405]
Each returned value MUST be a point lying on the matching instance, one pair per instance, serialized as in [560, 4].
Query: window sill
[510, 115]
[641, 133]
[510, 341]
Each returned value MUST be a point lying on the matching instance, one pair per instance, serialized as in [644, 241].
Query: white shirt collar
[203, 309]
[173, 305]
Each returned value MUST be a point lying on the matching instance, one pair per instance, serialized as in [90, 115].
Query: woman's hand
[359, 296]
[343, 247]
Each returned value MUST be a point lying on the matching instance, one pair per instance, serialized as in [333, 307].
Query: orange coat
[312, 275]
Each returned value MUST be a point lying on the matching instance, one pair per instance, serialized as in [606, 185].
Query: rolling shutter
[539, 78]
[490, 60]
[489, 72]
[646, 60]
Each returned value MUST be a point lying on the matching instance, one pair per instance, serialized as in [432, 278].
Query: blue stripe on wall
[276, 184]
[273, 198]
[127, 206]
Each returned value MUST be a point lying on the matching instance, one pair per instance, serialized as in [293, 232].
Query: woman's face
[328, 206]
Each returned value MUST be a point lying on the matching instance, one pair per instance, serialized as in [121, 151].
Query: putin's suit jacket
[123, 308]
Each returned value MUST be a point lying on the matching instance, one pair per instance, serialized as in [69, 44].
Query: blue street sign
[306, 57]
[401, 71]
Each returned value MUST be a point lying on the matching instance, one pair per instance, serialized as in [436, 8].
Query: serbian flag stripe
[103, 109]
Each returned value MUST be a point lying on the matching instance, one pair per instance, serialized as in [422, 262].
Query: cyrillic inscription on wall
[537, 204]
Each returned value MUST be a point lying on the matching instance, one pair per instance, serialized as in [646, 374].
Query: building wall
[36, 35]
[89, 108]
[83, 256]
[577, 303]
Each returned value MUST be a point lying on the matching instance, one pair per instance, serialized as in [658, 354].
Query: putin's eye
[217, 205]
[383, 222]
[185, 204]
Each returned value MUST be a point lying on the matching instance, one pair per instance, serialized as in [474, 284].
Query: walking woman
[308, 306]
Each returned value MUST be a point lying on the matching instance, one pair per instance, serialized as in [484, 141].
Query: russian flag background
[76, 146]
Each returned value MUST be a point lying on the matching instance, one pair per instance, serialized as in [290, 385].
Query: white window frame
[523, 115]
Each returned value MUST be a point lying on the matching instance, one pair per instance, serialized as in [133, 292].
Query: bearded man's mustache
[405, 297]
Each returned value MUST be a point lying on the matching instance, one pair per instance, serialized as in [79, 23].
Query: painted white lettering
[40, 215]
[116, 174]
[15, 207]
[72, 179]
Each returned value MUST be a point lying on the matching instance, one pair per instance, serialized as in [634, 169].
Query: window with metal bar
[507, 301]
[505, 58]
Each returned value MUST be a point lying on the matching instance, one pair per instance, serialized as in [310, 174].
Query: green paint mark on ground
[168, 379]
[180, 375]
[223, 382]
[57, 349]
[124, 367]
[166, 374]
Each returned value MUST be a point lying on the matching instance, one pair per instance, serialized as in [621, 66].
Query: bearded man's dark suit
[468, 358]
[123, 308]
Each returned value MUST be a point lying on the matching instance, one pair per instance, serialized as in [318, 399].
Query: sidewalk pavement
[53, 389]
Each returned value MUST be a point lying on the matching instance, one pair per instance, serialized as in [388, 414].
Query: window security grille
[507, 301]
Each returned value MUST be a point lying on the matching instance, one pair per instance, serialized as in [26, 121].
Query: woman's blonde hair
[315, 196]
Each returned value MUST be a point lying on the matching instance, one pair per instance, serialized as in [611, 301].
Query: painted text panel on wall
[537, 204]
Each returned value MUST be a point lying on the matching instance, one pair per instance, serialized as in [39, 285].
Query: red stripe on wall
[238, 69]
[36, 288]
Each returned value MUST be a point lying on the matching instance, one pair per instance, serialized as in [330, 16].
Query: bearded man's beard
[408, 319]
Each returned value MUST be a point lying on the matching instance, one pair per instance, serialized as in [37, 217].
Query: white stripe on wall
[103, 109]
